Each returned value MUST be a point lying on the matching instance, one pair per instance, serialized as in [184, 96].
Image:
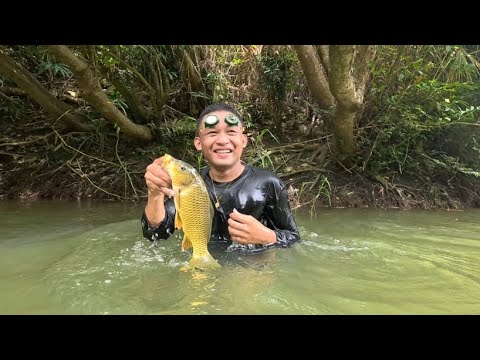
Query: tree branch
[341, 80]
[361, 70]
[96, 97]
[28, 83]
[315, 75]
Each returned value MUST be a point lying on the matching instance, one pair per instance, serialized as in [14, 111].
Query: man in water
[250, 205]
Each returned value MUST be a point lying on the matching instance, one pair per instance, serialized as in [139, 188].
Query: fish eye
[183, 168]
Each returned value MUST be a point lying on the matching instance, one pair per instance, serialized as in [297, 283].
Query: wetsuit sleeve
[279, 215]
[165, 228]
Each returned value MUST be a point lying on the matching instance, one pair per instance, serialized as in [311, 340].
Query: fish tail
[203, 262]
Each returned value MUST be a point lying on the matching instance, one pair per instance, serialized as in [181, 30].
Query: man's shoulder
[266, 174]
[266, 178]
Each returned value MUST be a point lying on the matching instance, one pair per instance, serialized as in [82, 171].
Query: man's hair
[217, 107]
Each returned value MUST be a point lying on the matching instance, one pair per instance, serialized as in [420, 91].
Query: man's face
[222, 142]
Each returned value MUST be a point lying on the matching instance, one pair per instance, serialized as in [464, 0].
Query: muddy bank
[59, 181]
[37, 162]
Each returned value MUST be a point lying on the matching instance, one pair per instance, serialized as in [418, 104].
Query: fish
[194, 212]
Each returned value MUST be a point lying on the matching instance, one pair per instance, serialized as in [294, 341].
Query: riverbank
[37, 162]
[36, 175]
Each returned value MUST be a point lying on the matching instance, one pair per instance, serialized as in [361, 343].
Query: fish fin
[203, 263]
[178, 221]
[186, 243]
[176, 201]
[211, 209]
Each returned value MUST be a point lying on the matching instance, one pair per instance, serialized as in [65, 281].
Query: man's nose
[222, 139]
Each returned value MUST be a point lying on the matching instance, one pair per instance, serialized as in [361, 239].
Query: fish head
[181, 173]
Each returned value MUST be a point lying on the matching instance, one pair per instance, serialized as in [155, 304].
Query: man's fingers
[236, 235]
[157, 171]
[233, 232]
[235, 215]
[167, 191]
[160, 182]
[158, 161]
[239, 226]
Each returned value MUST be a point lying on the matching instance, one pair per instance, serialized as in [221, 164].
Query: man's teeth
[223, 151]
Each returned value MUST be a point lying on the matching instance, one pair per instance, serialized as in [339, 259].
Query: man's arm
[279, 215]
[158, 217]
[280, 228]
[155, 208]
[164, 228]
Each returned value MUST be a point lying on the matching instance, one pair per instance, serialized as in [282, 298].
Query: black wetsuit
[255, 192]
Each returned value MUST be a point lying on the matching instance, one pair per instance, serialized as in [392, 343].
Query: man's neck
[225, 175]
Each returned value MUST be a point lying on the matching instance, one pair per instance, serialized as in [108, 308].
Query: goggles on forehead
[230, 119]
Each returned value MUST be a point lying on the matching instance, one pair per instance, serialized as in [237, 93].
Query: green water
[86, 258]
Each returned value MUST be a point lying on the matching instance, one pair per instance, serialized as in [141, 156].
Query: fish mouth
[167, 159]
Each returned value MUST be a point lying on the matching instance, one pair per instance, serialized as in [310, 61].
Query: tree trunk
[323, 53]
[191, 77]
[28, 83]
[92, 92]
[315, 75]
[344, 121]
[349, 91]
[364, 55]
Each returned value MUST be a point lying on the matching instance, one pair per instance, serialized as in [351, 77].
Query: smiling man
[251, 204]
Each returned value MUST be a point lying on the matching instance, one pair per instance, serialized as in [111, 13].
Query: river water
[62, 257]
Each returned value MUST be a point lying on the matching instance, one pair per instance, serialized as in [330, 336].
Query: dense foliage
[417, 139]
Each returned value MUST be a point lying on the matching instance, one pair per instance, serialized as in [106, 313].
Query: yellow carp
[194, 211]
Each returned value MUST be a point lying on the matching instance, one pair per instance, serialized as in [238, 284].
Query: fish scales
[194, 211]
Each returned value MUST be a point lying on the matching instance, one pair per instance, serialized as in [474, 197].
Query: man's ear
[197, 143]
[245, 140]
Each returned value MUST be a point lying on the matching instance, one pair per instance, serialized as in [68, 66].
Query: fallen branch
[123, 166]
[8, 98]
[298, 143]
[12, 91]
[73, 100]
[10, 154]
[306, 169]
[78, 151]
[52, 172]
[18, 143]
[470, 57]
[83, 175]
